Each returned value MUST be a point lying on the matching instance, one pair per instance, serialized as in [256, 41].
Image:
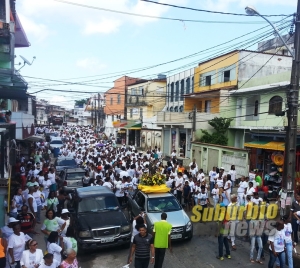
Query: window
[176, 109]
[226, 76]
[181, 89]
[177, 91]
[141, 91]
[133, 91]
[130, 100]
[171, 109]
[188, 84]
[192, 84]
[208, 80]
[131, 113]
[111, 101]
[137, 99]
[172, 92]
[256, 108]
[141, 113]
[112, 118]
[181, 109]
[207, 106]
[275, 105]
[119, 98]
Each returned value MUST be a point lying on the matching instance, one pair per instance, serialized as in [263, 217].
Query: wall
[209, 155]
[22, 120]
[189, 104]
[215, 67]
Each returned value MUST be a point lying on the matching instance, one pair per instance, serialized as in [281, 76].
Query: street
[201, 252]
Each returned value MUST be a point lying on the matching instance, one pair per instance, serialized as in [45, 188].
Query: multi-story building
[41, 112]
[13, 96]
[144, 100]
[115, 109]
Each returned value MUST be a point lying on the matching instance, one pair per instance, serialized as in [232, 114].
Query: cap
[12, 219]
[222, 168]
[99, 167]
[65, 210]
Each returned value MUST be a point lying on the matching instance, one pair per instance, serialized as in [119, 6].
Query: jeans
[260, 247]
[196, 199]
[179, 196]
[289, 253]
[159, 257]
[241, 200]
[281, 257]
[15, 265]
[38, 214]
[216, 201]
[141, 263]
[264, 239]
[211, 186]
[295, 228]
[223, 240]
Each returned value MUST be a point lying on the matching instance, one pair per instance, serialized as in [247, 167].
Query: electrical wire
[204, 10]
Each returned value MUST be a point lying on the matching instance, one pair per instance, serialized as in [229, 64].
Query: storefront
[268, 158]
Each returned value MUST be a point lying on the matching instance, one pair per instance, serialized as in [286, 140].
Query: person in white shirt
[227, 186]
[242, 190]
[212, 175]
[250, 190]
[232, 173]
[256, 199]
[174, 154]
[201, 176]
[215, 194]
[277, 245]
[179, 186]
[49, 262]
[193, 163]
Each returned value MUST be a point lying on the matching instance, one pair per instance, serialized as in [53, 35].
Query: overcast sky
[80, 44]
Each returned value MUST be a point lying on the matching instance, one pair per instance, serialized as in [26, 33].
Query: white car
[56, 143]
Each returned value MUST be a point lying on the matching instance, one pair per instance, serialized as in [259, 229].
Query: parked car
[98, 219]
[55, 142]
[156, 203]
[48, 136]
[63, 162]
[71, 178]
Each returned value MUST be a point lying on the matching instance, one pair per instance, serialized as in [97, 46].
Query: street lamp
[251, 11]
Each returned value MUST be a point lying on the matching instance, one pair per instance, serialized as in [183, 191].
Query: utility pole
[92, 115]
[125, 101]
[98, 111]
[194, 122]
[292, 116]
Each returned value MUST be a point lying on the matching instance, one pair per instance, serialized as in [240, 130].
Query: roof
[74, 170]
[92, 191]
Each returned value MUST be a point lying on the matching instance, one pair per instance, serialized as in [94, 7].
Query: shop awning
[134, 126]
[268, 145]
[34, 138]
[122, 131]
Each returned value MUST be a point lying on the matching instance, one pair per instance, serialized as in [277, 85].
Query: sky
[75, 44]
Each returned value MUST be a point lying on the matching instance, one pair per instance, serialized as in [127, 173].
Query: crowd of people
[119, 168]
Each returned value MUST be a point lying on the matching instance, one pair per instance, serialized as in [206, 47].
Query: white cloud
[91, 64]
[92, 21]
[37, 30]
[105, 26]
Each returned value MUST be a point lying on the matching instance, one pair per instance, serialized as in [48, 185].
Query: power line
[204, 10]
[157, 17]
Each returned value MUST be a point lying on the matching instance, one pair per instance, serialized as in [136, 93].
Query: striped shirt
[142, 246]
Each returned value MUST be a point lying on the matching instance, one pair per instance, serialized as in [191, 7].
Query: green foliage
[81, 102]
[221, 126]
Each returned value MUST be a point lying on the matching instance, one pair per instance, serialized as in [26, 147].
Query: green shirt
[162, 230]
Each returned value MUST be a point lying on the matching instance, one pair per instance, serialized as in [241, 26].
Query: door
[238, 119]
[212, 159]
[166, 142]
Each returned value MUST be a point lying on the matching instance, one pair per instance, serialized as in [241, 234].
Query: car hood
[64, 167]
[176, 218]
[88, 221]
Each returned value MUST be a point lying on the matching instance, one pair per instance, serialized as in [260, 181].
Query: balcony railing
[139, 103]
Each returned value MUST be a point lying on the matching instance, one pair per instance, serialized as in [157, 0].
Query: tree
[81, 102]
[221, 126]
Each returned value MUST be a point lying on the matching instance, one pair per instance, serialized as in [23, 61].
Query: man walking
[142, 245]
[162, 239]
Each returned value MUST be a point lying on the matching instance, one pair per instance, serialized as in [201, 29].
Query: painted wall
[215, 67]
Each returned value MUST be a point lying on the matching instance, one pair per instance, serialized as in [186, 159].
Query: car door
[135, 204]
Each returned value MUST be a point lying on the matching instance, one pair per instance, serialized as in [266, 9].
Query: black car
[62, 163]
[71, 178]
[98, 219]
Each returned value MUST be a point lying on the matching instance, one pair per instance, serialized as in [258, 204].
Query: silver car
[154, 205]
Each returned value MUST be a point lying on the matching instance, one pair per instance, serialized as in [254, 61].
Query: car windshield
[98, 203]
[163, 204]
[56, 142]
[64, 162]
[74, 176]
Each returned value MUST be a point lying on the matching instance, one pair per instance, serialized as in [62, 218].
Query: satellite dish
[25, 60]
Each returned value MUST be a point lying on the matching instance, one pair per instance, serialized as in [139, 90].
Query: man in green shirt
[162, 239]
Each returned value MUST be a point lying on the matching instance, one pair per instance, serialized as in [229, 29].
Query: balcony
[139, 103]
[184, 120]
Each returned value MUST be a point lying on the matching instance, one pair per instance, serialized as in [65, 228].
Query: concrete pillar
[177, 141]
[3, 193]
[127, 136]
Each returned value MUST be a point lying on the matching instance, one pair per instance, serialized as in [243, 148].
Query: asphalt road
[200, 252]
